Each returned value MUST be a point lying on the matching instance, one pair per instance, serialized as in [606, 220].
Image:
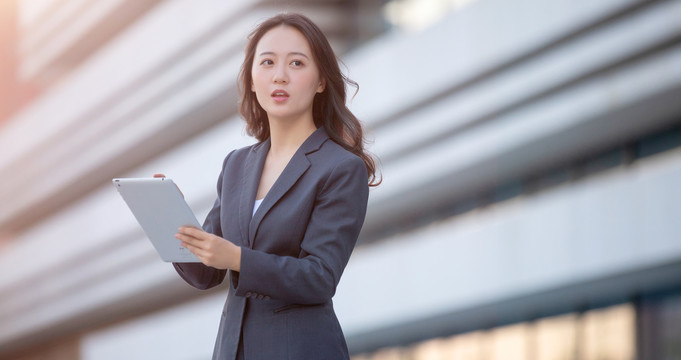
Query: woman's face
[285, 75]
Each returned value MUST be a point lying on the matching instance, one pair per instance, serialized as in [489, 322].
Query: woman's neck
[286, 137]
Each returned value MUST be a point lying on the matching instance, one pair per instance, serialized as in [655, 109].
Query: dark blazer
[294, 250]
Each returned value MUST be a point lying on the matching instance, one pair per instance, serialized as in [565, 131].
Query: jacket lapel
[296, 167]
[249, 185]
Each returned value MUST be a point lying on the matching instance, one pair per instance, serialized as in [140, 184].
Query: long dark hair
[328, 108]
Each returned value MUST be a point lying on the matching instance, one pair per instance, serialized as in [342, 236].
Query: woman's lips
[280, 95]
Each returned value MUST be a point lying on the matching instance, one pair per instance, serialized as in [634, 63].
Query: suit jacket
[294, 250]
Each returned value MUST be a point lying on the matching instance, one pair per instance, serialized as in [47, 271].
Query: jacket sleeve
[199, 275]
[329, 239]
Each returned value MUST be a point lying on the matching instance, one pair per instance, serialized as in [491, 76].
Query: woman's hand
[212, 250]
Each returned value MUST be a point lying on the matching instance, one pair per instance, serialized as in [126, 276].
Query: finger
[190, 241]
[189, 238]
[193, 249]
[193, 232]
[198, 253]
[184, 233]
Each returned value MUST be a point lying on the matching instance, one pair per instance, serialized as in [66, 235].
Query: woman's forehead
[282, 40]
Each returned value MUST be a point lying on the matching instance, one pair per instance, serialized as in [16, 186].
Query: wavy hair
[329, 107]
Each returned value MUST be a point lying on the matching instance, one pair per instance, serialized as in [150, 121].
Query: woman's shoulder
[332, 150]
[236, 159]
[243, 152]
[332, 155]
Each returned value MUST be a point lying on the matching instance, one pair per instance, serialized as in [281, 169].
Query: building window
[661, 327]
[416, 15]
[599, 334]
[608, 334]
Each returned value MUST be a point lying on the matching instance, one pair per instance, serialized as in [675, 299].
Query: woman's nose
[280, 75]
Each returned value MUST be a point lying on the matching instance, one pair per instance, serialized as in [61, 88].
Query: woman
[289, 208]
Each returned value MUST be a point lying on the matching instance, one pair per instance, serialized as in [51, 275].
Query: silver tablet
[160, 209]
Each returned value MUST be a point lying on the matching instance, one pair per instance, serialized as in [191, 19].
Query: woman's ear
[322, 86]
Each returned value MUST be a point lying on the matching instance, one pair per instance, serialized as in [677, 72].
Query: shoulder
[341, 175]
[246, 150]
[332, 155]
[335, 166]
[237, 156]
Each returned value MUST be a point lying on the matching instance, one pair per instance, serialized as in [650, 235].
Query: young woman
[289, 208]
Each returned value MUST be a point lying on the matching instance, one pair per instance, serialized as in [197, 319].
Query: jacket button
[260, 296]
[267, 297]
[248, 294]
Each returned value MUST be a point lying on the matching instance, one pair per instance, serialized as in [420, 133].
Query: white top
[257, 205]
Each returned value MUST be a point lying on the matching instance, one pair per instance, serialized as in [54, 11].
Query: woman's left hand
[212, 250]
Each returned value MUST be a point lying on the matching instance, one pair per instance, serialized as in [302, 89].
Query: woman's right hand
[158, 175]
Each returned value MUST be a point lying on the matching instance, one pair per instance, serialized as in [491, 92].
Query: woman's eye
[267, 62]
[297, 63]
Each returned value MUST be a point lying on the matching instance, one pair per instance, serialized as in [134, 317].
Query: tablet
[160, 209]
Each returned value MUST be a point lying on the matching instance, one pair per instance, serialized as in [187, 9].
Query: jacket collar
[297, 166]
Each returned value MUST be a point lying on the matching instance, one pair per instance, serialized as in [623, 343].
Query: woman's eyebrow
[271, 53]
[298, 53]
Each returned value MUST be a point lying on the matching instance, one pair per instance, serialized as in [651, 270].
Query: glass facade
[599, 334]
[660, 324]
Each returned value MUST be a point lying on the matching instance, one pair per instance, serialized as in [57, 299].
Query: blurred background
[530, 149]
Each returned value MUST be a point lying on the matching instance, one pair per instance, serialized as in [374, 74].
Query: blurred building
[531, 155]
